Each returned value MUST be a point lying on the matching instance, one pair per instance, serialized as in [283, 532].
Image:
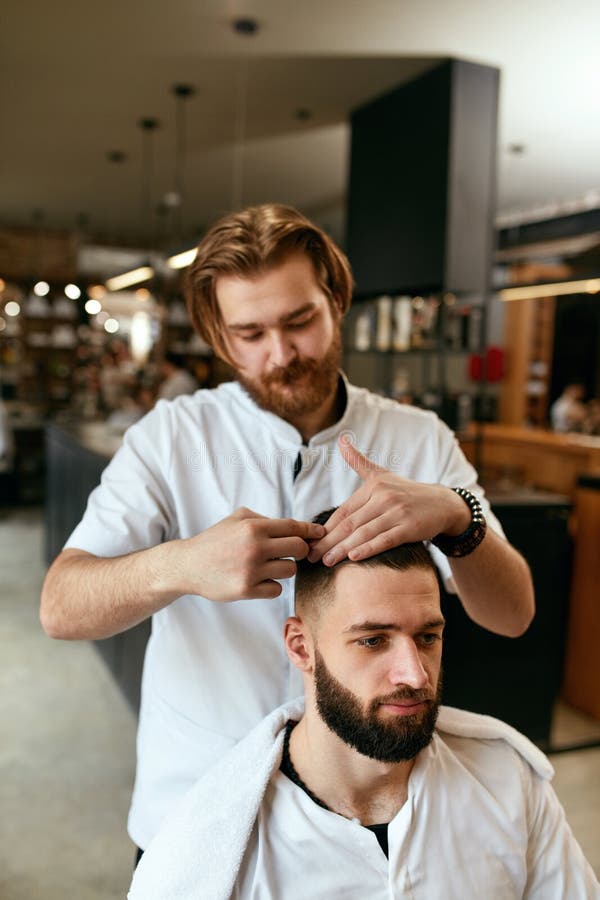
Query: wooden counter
[532, 456]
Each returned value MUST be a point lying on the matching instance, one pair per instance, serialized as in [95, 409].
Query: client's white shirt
[476, 824]
[481, 822]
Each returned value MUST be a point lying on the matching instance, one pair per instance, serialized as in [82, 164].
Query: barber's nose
[282, 351]
[407, 667]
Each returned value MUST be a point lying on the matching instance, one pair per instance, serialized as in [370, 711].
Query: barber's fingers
[354, 502]
[277, 527]
[342, 546]
[379, 543]
[361, 464]
[277, 548]
[354, 511]
[268, 587]
[277, 568]
[266, 590]
[308, 531]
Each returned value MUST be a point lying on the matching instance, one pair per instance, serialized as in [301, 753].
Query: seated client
[367, 788]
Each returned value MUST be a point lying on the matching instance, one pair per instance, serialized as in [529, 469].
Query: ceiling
[76, 78]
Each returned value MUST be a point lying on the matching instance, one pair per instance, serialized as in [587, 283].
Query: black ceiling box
[421, 196]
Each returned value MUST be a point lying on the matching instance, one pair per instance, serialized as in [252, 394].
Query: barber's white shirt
[478, 824]
[214, 670]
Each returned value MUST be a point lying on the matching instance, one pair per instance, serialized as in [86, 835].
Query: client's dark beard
[299, 388]
[391, 740]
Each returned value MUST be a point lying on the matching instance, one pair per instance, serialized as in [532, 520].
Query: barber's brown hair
[250, 242]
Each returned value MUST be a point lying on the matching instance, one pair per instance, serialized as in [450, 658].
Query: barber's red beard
[299, 388]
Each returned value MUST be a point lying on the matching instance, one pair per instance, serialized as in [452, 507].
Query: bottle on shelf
[383, 339]
[363, 331]
[402, 323]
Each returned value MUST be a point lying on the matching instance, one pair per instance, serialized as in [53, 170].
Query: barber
[209, 501]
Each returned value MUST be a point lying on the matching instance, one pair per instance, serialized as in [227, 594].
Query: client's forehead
[407, 598]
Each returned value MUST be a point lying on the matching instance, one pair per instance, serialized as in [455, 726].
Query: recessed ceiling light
[116, 156]
[183, 90]
[245, 25]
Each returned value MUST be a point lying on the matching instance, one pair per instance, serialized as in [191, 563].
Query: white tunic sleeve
[132, 508]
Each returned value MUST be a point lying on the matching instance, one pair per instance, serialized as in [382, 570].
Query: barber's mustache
[288, 374]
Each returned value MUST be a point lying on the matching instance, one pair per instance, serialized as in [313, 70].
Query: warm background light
[111, 326]
[96, 291]
[181, 260]
[41, 288]
[127, 279]
[72, 292]
[140, 336]
[12, 308]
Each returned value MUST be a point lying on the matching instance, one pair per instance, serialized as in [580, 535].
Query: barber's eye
[301, 323]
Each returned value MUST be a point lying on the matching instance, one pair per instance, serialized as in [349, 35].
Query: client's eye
[371, 643]
[430, 638]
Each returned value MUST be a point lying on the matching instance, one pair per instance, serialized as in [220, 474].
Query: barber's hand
[241, 556]
[386, 511]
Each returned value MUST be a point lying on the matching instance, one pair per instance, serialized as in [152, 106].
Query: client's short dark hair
[314, 581]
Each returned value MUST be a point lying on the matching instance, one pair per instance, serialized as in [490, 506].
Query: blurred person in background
[131, 409]
[177, 379]
[568, 412]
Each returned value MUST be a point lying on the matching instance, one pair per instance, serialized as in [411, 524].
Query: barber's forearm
[88, 597]
[495, 587]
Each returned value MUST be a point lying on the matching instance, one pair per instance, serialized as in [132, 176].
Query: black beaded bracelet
[464, 543]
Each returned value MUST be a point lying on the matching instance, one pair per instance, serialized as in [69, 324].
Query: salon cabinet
[517, 679]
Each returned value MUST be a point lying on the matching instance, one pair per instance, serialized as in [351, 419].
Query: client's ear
[298, 643]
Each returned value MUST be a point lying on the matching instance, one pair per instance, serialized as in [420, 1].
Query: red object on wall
[494, 365]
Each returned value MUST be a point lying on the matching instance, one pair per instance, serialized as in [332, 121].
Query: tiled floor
[67, 750]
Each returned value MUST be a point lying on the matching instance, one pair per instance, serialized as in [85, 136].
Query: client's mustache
[406, 693]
